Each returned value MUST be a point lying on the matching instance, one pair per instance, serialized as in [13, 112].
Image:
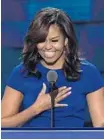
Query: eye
[56, 40]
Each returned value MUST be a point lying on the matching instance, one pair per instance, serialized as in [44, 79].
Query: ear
[66, 46]
[66, 41]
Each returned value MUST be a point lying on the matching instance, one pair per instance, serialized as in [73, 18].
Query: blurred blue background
[88, 19]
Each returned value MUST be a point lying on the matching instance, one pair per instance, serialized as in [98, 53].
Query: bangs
[41, 33]
[39, 28]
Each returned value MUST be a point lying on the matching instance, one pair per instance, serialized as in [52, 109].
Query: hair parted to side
[38, 31]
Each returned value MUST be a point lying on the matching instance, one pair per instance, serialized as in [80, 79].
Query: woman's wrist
[36, 109]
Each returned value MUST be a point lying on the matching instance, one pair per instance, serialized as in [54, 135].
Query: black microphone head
[52, 76]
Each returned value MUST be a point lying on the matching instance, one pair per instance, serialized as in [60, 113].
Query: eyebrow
[54, 37]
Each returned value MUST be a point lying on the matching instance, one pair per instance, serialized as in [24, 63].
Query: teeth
[49, 54]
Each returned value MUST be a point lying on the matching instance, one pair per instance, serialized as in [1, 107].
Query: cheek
[59, 51]
[40, 46]
[59, 47]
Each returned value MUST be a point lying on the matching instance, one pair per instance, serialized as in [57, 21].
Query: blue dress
[70, 116]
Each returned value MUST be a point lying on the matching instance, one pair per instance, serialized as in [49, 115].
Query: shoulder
[18, 69]
[17, 73]
[91, 76]
[16, 78]
[88, 67]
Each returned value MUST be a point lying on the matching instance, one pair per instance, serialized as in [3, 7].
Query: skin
[52, 52]
[95, 102]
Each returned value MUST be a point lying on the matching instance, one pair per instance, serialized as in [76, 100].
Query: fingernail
[68, 93]
[69, 87]
[66, 104]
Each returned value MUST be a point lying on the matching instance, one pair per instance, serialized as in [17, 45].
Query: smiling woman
[52, 49]
[50, 44]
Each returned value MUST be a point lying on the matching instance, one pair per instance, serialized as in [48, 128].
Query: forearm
[20, 118]
[99, 124]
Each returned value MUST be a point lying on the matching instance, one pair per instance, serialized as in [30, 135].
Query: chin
[50, 62]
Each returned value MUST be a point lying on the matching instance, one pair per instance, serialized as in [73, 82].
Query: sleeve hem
[15, 88]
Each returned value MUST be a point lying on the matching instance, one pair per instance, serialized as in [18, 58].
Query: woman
[50, 44]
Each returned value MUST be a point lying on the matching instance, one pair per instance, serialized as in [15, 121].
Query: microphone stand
[53, 94]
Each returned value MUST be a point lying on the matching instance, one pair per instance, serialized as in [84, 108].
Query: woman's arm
[12, 99]
[10, 107]
[96, 107]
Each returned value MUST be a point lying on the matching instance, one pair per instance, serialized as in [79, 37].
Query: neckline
[42, 67]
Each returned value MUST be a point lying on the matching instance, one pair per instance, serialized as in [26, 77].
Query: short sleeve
[16, 79]
[94, 79]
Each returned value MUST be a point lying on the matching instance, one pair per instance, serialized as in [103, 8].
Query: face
[52, 49]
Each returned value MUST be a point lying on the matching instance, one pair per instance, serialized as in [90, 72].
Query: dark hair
[38, 31]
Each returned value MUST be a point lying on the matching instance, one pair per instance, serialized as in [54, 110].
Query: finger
[61, 105]
[64, 91]
[61, 88]
[62, 97]
[43, 91]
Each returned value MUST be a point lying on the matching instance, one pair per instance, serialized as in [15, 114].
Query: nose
[48, 45]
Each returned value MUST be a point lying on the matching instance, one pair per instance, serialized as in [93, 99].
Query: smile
[49, 54]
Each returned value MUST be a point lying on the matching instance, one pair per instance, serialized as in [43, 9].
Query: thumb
[43, 90]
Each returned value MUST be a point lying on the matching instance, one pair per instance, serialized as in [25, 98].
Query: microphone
[52, 77]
